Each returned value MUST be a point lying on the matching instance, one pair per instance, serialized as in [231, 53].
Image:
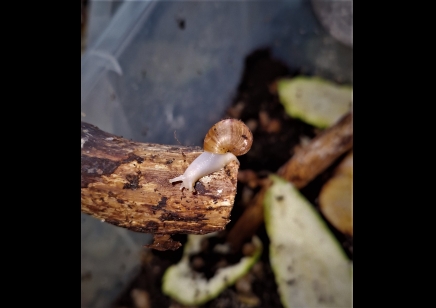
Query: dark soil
[275, 135]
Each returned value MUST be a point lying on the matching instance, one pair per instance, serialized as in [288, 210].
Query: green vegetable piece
[309, 265]
[188, 287]
[314, 100]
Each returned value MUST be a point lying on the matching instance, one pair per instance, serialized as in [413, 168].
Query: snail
[223, 142]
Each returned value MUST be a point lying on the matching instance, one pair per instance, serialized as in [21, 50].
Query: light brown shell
[230, 135]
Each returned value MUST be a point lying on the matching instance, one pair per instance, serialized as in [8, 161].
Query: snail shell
[230, 135]
[224, 141]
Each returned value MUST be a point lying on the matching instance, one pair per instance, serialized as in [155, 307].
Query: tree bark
[126, 183]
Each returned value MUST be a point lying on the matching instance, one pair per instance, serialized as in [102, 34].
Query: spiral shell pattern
[230, 135]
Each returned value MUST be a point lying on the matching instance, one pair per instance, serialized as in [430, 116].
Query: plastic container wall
[160, 66]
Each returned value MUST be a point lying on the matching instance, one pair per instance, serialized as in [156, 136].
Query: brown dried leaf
[335, 199]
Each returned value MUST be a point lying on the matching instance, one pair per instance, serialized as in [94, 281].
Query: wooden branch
[126, 183]
[300, 169]
[319, 154]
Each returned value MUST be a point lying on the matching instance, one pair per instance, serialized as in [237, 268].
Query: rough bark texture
[126, 184]
[300, 169]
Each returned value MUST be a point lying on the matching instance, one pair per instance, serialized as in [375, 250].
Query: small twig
[303, 167]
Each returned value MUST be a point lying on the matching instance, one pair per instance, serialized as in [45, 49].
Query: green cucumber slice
[309, 265]
[314, 100]
[188, 287]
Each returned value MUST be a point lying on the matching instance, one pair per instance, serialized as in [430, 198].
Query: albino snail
[223, 141]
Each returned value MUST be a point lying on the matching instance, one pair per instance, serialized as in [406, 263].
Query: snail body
[204, 164]
[224, 141]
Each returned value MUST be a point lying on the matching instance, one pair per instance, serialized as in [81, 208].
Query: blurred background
[149, 68]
